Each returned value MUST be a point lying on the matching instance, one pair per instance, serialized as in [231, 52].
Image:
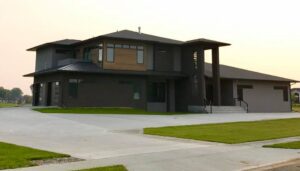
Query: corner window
[73, 87]
[284, 90]
[140, 55]
[110, 53]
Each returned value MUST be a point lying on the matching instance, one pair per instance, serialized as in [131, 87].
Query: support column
[201, 75]
[216, 77]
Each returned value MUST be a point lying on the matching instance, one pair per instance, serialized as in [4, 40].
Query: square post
[201, 75]
[216, 77]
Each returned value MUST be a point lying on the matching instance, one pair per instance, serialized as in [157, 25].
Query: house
[133, 69]
[296, 93]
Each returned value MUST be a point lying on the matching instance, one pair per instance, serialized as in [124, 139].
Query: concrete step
[226, 109]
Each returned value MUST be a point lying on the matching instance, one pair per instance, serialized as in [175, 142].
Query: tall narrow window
[87, 54]
[140, 55]
[73, 87]
[110, 53]
[100, 57]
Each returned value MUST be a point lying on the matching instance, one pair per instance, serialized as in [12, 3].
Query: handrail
[208, 102]
[243, 101]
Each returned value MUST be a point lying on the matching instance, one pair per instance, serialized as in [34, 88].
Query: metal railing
[241, 101]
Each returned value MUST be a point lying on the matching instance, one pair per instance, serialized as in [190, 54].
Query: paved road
[114, 139]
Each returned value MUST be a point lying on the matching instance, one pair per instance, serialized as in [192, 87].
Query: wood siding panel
[125, 59]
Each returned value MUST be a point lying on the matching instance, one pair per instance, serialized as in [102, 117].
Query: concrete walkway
[116, 139]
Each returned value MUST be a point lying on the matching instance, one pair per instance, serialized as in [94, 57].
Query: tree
[27, 99]
[16, 94]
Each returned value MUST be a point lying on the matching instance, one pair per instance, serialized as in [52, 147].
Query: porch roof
[89, 67]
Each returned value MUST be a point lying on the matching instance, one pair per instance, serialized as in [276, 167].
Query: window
[100, 57]
[118, 46]
[126, 46]
[87, 54]
[73, 87]
[140, 55]
[110, 53]
[132, 47]
[157, 92]
[284, 92]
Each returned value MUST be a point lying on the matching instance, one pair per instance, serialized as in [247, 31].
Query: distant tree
[4, 93]
[16, 94]
[27, 99]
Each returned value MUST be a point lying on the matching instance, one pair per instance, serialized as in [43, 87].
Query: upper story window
[140, 55]
[87, 54]
[110, 53]
[100, 57]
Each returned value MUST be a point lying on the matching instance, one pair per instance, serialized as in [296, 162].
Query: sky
[265, 34]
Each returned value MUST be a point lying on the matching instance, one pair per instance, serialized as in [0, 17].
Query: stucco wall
[263, 97]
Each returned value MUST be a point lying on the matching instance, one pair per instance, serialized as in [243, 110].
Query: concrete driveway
[114, 139]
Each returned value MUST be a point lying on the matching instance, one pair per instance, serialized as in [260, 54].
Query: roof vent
[139, 29]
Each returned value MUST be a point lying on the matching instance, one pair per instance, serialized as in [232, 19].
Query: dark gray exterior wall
[45, 79]
[163, 58]
[48, 57]
[105, 91]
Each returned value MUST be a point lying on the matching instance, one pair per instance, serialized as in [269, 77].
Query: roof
[132, 35]
[64, 42]
[127, 34]
[89, 67]
[238, 73]
[206, 41]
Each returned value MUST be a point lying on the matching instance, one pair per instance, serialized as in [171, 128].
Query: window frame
[110, 46]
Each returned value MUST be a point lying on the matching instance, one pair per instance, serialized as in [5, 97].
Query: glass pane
[126, 46]
[140, 56]
[132, 46]
[140, 47]
[100, 55]
[118, 46]
[110, 45]
[110, 54]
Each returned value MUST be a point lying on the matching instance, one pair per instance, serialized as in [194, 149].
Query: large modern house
[133, 69]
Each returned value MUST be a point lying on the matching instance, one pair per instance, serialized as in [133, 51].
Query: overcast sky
[265, 35]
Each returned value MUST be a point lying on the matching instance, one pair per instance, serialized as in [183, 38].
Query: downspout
[291, 100]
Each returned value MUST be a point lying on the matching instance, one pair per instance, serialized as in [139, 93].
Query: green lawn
[107, 168]
[288, 145]
[234, 132]
[8, 105]
[14, 156]
[296, 107]
[97, 110]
